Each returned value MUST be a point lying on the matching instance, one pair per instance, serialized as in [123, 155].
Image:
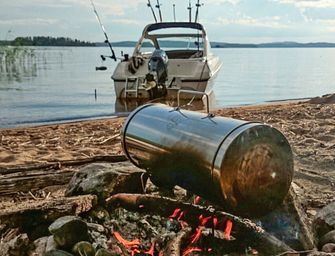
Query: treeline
[274, 45]
[46, 41]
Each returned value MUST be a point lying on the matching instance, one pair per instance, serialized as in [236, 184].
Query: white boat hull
[196, 75]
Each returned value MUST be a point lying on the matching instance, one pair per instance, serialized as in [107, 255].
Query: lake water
[58, 84]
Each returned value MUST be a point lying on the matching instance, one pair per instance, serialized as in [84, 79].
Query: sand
[308, 125]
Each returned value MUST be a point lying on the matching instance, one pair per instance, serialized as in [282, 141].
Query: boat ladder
[134, 80]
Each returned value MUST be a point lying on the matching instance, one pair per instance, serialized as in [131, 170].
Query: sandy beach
[309, 126]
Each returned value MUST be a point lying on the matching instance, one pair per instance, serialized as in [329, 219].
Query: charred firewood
[244, 230]
[174, 246]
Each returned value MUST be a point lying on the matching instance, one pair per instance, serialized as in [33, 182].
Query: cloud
[29, 22]
[309, 3]
[106, 7]
[233, 2]
[125, 21]
[266, 22]
[313, 10]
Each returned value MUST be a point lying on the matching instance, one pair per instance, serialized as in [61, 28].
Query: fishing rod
[189, 8]
[104, 31]
[152, 10]
[158, 6]
[174, 12]
[197, 12]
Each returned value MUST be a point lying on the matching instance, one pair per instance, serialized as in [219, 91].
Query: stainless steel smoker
[245, 167]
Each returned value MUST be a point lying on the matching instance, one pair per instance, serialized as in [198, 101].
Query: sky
[233, 21]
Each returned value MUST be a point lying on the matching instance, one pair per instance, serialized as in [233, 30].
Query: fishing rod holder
[104, 57]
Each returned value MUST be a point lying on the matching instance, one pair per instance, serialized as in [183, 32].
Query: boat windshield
[176, 43]
[177, 40]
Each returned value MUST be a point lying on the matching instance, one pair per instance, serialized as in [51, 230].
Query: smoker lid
[254, 168]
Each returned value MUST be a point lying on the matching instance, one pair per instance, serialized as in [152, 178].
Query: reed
[16, 60]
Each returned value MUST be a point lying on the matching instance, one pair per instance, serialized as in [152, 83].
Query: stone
[317, 253]
[106, 179]
[20, 246]
[114, 249]
[96, 227]
[40, 246]
[51, 244]
[69, 230]
[329, 248]
[83, 248]
[311, 212]
[99, 214]
[100, 240]
[324, 221]
[327, 238]
[105, 252]
[57, 253]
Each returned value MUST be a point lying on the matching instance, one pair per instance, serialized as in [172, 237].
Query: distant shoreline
[68, 42]
[171, 44]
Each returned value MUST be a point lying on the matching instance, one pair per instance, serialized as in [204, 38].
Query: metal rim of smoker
[124, 129]
[247, 195]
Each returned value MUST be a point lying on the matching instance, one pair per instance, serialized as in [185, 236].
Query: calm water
[58, 84]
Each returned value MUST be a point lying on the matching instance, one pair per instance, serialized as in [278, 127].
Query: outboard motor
[158, 65]
[158, 72]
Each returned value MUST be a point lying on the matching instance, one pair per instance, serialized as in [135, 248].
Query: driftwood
[37, 176]
[59, 164]
[33, 180]
[244, 230]
[305, 235]
[39, 212]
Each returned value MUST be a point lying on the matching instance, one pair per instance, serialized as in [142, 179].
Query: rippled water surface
[57, 84]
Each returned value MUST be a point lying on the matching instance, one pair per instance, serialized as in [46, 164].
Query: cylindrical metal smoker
[246, 167]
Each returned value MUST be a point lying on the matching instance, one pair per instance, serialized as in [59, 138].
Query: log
[32, 214]
[244, 230]
[174, 246]
[59, 164]
[33, 180]
[33, 177]
[305, 235]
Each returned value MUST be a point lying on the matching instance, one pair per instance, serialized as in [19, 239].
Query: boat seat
[198, 54]
[182, 54]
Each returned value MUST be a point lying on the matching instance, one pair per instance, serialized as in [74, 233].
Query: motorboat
[169, 57]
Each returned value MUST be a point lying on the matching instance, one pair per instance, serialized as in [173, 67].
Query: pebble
[69, 230]
[328, 238]
[329, 248]
[83, 248]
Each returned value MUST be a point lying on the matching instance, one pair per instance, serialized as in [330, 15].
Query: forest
[46, 41]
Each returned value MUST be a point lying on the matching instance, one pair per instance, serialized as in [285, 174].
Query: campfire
[190, 240]
[187, 194]
[193, 236]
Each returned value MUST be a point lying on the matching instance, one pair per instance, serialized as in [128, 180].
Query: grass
[15, 60]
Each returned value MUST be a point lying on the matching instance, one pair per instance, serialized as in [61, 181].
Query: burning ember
[211, 221]
[192, 243]
[134, 246]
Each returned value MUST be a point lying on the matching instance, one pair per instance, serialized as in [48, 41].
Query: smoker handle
[196, 93]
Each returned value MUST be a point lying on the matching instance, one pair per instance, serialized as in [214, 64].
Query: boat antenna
[152, 10]
[197, 12]
[158, 6]
[104, 31]
[174, 12]
[189, 8]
